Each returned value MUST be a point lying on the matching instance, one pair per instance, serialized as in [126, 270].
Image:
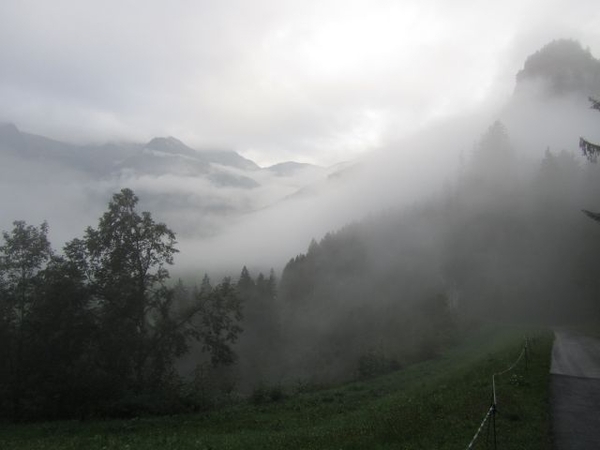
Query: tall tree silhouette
[24, 255]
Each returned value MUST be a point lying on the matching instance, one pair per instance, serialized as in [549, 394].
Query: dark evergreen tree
[272, 282]
[205, 287]
[589, 149]
[245, 284]
[591, 152]
[493, 165]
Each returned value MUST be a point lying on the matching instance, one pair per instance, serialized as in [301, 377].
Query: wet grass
[437, 404]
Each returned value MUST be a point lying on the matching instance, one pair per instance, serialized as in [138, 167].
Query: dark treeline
[97, 330]
[255, 352]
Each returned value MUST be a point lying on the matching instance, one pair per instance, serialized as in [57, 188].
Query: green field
[438, 404]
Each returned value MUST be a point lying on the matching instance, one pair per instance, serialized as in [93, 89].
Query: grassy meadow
[437, 404]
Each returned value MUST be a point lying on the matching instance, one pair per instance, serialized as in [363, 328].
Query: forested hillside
[494, 247]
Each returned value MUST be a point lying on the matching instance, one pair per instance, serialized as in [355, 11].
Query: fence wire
[492, 409]
[487, 416]
[505, 371]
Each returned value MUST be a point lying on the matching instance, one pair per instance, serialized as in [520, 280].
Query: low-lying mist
[397, 176]
[500, 237]
[220, 228]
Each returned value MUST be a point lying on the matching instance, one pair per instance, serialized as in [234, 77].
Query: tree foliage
[126, 258]
[492, 164]
[589, 149]
[96, 330]
[591, 152]
[23, 257]
[218, 322]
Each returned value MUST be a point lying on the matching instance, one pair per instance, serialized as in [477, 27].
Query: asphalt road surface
[575, 392]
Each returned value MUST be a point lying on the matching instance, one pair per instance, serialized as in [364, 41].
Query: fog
[401, 174]
[429, 175]
[321, 82]
[221, 228]
[399, 93]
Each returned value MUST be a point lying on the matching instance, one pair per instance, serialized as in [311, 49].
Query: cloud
[319, 81]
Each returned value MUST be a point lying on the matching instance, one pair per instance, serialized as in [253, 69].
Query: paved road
[575, 392]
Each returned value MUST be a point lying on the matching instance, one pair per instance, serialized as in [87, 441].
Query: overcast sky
[315, 81]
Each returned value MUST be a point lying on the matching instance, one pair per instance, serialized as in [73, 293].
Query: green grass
[437, 404]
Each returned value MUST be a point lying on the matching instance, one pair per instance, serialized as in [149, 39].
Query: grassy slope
[435, 404]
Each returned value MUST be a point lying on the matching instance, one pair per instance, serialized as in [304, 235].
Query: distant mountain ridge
[161, 155]
[222, 157]
[291, 167]
[201, 190]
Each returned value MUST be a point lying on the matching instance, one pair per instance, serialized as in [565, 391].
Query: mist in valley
[314, 238]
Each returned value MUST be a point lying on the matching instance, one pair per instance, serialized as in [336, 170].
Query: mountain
[170, 145]
[160, 156]
[222, 157]
[291, 167]
[199, 191]
[34, 147]
[229, 158]
[562, 67]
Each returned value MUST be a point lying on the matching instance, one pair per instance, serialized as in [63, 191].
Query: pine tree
[245, 284]
[205, 287]
[591, 152]
[493, 160]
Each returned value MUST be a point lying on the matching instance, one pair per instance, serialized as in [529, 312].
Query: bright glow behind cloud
[317, 81]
